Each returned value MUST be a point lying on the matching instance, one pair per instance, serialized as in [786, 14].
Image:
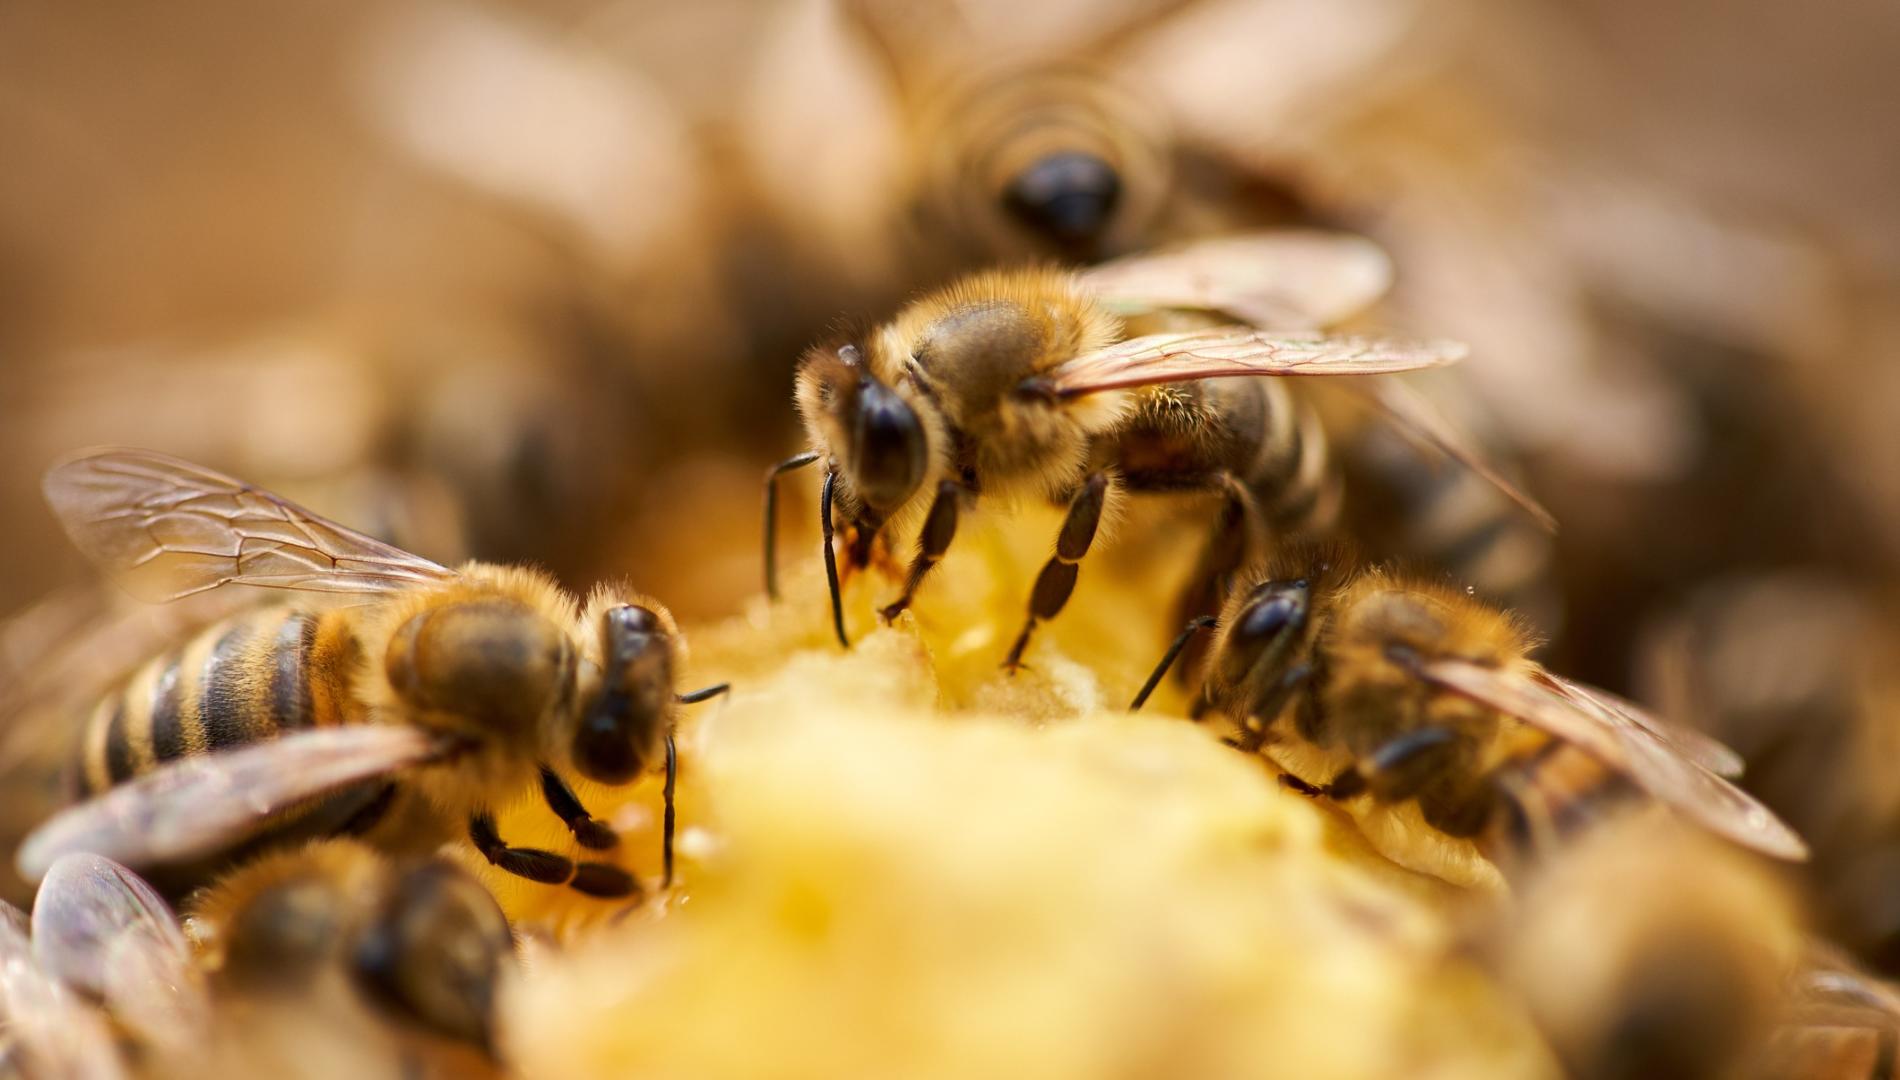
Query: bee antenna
[1195, 625]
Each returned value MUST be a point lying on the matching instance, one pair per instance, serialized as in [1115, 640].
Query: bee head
[435, 951]
[878, 440]
[1067, 196]
[1264, 628]
[620, 726]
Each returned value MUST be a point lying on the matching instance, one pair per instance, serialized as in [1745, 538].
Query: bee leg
[592, 878]
[1194, 626]
[797, 461]
[1399, 767]
[1057, 579]
[589, 831]
[666, 814]
[831, 555]
[1236, 538]
[939, 529]
[706, 693]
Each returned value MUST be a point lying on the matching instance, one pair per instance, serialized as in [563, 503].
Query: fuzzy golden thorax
[1377, 625]
[492, 656]
[969, 348]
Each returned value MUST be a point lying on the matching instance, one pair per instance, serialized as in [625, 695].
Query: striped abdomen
[244, 679]
[1547, 796]
[1206, 435]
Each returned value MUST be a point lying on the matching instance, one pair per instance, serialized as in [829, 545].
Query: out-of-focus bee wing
[1227, 351]
[1283, 279]
[51, 1031]
[100, 928]
[1418, 421]
[166, 528]
[1704, 750]
[197, 806]
[1837, 1020]
[1656, 765]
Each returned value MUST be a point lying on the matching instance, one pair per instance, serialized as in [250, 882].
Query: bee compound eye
[888, 457]
[1068, 196]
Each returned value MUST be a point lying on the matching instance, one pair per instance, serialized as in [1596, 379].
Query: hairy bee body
[1407, 690]
[493, 655]
[1255, 433]
[241, 680]
[403, 714]
[335, 927]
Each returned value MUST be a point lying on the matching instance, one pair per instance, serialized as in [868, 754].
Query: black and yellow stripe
[243, 680]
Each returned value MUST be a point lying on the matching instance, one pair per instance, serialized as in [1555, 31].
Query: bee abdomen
[1293, 476]
[245, 679]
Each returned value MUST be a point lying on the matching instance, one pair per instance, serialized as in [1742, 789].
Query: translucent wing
[50, 1031]
[1656, 765]
[1287, 279]
[1227, 351]
[198, 806]
[100, 928]
[1415, 418]
[1708, 752]
[166, 528]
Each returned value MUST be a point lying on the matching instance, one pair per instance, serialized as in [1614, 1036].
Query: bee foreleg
[666, 815]
[831, 555]
[1057, 580]
[589, 831]
[797, 461]
[1400, 766]
[592, 878]
[939, 529]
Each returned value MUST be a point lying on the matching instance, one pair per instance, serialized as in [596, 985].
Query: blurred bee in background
[1014, 384]
[336, 933]
[1408, 690]
[1646, 949]
[1795, 669]
[401, 718]
[1839, 1023]
[320, 957]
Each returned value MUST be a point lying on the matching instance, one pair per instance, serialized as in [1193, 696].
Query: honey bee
[1429, 696]
[335, 936]
[394, 717]
[1648, 949]
[1023, 384]
[415, 941]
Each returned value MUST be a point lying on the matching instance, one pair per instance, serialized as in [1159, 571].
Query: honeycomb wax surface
[900, 861]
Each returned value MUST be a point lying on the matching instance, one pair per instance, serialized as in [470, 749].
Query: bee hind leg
[1057, 580]
[593, 878]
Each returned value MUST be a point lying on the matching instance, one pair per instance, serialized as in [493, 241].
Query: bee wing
[1412, 416]
[1656, 765]
[100, 928]
[1286, 278]
[166, 529]
[52, 1032]
[1704, 750]
[1227, 351]
[198, 806]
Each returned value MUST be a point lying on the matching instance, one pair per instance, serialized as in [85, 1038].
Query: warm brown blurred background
[527, 280]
